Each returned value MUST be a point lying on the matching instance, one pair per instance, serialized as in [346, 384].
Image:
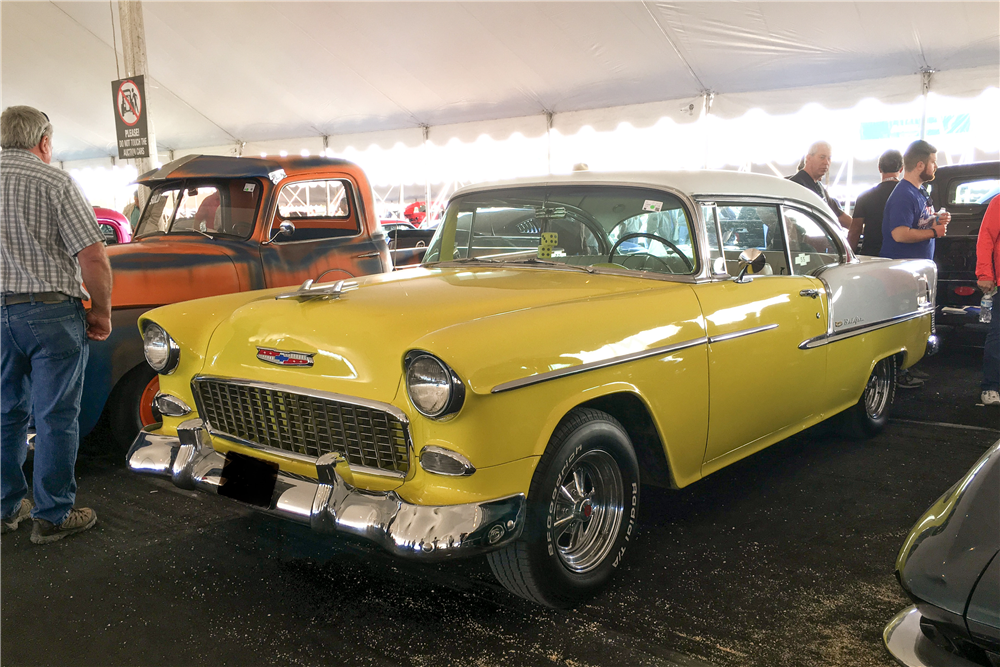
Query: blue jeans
[991, 351]
[44, 352]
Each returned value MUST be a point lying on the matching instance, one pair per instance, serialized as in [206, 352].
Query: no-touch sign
[129, 103]
[130, 117]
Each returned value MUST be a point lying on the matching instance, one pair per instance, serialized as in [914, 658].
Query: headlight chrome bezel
[456, 390]
[150, 329]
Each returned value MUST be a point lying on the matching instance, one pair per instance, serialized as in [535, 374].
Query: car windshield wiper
[543, 262]
[475, 260]
[195, 231]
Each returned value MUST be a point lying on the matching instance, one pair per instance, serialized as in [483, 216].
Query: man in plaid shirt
[49, 243]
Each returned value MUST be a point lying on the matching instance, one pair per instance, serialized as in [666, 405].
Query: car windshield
[599, 226]
[217, 208]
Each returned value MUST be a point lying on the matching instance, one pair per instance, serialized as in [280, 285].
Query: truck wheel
[581, 514]
[870, 414]
[130, 405]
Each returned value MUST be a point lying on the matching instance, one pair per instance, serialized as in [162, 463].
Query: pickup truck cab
[216, 225]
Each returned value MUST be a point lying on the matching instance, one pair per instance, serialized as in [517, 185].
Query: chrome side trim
[351, 400]
[593, 365]
[329, 504]
[826, 339]
[740, 334]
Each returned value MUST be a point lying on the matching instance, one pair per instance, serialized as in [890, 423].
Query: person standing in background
[909, 224]
[814, 167]
[870, 206]
[987, 272]
[132, 211]
[50, 244]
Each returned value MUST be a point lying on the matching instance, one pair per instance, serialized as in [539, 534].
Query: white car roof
[692, 183]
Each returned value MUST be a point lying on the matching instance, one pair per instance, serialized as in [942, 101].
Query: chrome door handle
[813, 293]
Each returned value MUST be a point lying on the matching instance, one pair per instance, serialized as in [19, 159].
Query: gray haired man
[814, 167]
[50, 243]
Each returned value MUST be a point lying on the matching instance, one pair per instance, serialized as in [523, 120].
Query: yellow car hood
[489, 324]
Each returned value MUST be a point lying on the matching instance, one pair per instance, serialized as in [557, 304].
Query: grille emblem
[282, 358]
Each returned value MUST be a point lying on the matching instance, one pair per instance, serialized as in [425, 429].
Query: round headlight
[160, 349]
[434, 388]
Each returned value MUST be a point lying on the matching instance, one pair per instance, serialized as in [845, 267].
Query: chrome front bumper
[331, 505]
[908, 645]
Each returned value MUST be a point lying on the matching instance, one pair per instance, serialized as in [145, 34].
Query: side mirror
[284, 229]
[752, 260]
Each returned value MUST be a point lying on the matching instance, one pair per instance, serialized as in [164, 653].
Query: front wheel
[581, 514]
[870, 414]
[130, 405]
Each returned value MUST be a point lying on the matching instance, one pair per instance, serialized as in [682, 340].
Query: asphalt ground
[785, 558]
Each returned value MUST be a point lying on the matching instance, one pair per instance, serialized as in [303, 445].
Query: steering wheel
[662, 240]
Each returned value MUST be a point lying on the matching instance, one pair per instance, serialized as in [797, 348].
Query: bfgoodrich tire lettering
[581, 515]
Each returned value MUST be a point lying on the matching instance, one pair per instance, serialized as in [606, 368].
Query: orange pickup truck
[215, 225]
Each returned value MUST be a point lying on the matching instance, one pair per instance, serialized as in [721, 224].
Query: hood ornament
[307, 291]
[283, 358]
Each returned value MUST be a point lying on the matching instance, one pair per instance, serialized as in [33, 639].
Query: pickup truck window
[318, 209]
[218, 208]
[978, 191]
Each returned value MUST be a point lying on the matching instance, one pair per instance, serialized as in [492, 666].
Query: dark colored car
[949, 566]
[216, 225]
[965, 190]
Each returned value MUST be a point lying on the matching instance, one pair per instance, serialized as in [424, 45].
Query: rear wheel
[130, 406]
[870, 414]
[581, 514]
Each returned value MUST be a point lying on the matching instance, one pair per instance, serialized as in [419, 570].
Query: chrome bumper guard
[933, 345]
[331, 505]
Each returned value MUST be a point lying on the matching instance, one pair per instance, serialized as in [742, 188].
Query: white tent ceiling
[225, 72]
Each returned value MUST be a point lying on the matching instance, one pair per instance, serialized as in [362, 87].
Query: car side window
[746, 226]
[109, 232]
[977, 191]
[319, 209]
[712, 236]
[810, 245]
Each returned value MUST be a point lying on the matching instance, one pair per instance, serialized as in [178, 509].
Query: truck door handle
[813, 293]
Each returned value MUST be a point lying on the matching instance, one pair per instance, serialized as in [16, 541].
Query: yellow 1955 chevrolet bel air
[565, 341]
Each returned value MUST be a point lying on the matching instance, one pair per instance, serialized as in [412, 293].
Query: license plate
[248, 479]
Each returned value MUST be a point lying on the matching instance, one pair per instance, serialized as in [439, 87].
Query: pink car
[114, 225]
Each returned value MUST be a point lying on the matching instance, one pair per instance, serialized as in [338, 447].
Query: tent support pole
[925, 78]
[427, 171]
[134, 51]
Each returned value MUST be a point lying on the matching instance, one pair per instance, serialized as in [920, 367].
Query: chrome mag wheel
[587, 511]
[878, 392]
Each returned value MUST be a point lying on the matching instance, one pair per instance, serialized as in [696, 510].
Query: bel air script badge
[284, 358]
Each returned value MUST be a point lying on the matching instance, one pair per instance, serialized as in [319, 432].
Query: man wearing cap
[50, 243]
[814, 167]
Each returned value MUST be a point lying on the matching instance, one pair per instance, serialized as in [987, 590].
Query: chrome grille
[306, 425]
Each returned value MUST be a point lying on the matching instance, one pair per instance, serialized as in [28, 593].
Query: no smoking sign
[130, 117]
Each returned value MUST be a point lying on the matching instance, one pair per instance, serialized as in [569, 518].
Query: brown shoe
[11, 523]
[78, 521]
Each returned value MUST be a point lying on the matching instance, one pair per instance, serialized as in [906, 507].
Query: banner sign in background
[130, 117]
